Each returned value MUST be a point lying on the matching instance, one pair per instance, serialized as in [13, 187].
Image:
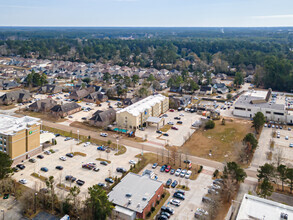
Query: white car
[175, 202]
[47, 152]
[86, 144]
[63, 158]
[170, 123]
[23, 181]
[278, 136]
[178, 171]
[183, 172]
[188, 174]
[181, 114]
[132, 162]
[286, 138]
[265, 125]
[104, 134]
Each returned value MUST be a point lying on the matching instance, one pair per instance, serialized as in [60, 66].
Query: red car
[171, 110]
[168, 168]
[174, 128]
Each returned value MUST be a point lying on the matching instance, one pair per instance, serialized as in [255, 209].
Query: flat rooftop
[253, 207]
[10, 124]
[134, 192]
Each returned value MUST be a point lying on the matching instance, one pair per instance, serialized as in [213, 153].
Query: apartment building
[136, 115]
[19, 137]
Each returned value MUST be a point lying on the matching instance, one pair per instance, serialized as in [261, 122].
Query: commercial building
[134, 196]
[253, 101]
[19, 137]
[137, 114]
[253, 207]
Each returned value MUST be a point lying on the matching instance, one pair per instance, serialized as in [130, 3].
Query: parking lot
[175, 137]
[73, 166]
[193, 197]
[281, 145]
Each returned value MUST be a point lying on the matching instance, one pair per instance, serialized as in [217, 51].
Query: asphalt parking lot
[73, 166]
[176, 137]
[193, 197]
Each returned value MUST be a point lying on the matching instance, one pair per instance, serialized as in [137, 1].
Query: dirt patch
[222, 140]
[7, 107]
[84, 125]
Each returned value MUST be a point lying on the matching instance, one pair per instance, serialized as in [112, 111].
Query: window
[249, 109]
[238, 108]
[278, 113]
[268, 112]
[4, 149]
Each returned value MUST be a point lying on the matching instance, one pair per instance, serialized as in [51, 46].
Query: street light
[117, 140]
[78, 136]
[41, 125]
[2, 210]
[35, 208]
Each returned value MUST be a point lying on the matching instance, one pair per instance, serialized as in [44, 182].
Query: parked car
[291, 145]
[23, 181]
[174, 184]
[180, 191]
[69, 155]
[57, 135]
[175, 202]
[132, 162]
[174, 128]
[163, 168]
[40, 156]
[70, 178]
[177, 118]
[169, 181]
[102, 185]
[170, 123]
[187, 161]
[96, 169]
[162, 217]
[67, 139]
[167, 169]
[179, 196]
[59, 167]
[47, 152]
[286, 138]
[15, 169]
[20, 166]
[155, 165]
[80, 182]
[120, 170]
[63, 158]
[171, 110]
[289, 129]
[45, 169]
[165, 214]
[167, 209]
[183, 172]
[172, 171]
[159, 132]
[188, 174]
[32, 160]
[179, 122]
[101, 148]
[109, 180]
[104, 163]
[199, 213]
[165, 134]
[206, 199]
[178, 171]
[86, 144]
[212, 191]
[103, 134]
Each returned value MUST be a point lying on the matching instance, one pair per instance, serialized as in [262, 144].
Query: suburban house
[43, 105]
[78, 94]
[208, 90]
[50, 89]
[176, 89]
[103, 118]
[220, 88]
[95, 96]
[6, 84]
[65, 110]
[135, 195]
[181, 101]
[18, 96]
[129, 101]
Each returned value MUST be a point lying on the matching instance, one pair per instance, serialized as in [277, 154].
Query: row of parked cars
[179, 172]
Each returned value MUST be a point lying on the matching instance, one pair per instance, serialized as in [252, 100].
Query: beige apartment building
[19, 137]
[137, 114]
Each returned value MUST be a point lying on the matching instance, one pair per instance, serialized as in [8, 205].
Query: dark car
[104, 163]
[20, 166]
[169, 181]
[109, 180]
[179, 196]
[180, 191]
[163, 168]
[45, 169]
[80, 182]
[40, 156]
[187, 161]
[177, 118]
[69, 155]
[167, 209]
[159, 132]
[70, 178]
[166, 214]
[83, 118]
[166, 134]
[172, 171]
[162, 217]
[174, 184]
[88, 166]
[59, 167]
[57, 135]
[102, 184]
[120, 170]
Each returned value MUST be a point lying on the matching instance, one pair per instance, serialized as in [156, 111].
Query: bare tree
[213, 206]
[229, 189]
[173, 154]
[279, 157]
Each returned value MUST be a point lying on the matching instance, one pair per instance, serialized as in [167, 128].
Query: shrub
[149, 214]
[109, 142]
[163, 195]
[216, 172]
[157, 202]
[153, 209]
[210, 124]
[229, 96]
[200, 169]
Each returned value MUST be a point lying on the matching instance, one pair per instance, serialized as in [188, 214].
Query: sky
[147, 13]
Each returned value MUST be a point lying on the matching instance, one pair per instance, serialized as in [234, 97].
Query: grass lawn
[79, 154]
[166, 128]
[63, 186]
[222, 140]
[159, 206]
[121, 150]
[42, 178]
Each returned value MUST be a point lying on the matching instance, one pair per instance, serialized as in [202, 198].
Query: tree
[87, 80]
[135, 79]
[238, 80]
[74, 191]
[151, 78]
[251, 143]
[98, 203]
[289, 174]
[156, 85]
[106, 77]
[235, 171]
[258, 121]
[210, 124]
[229, 188]
[266, 188]
[282, 173]
[50, 184]
[267, 171]
[5, 165]
[229, 96]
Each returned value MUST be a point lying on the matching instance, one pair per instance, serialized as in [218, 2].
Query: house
[135, 195]
[103, 118]
[181, 101]
[50, 89]
[95, 96]
[220, 88]
[6, 85]
[65, 110]
[208, 90]
[129, 101]
[176, 89]
[42, 105]
[78, 94]
[17, 96]
[249, 79]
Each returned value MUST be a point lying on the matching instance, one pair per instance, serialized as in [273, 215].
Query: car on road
[178, 171]
[167, 169]
[179, 196]
[20, 166]
[63, 158]
[40, 156]
[109, 180]
[155, 165]
[67, 139]
[188, 174]
[32, 160]
[101, 148]
[167, 209]
[172, 171]
[70, 178]
[104, 134]
[163, 168]
[159, 132]
[174, 128]
[181, 114]
[169, 181]
[104, 163]
[59, 167]
[80, 182]
[175, 202]
[174, 184]
[69, 155]
[44, 169]
[121, 170]
[23, 181]
[132, 162]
